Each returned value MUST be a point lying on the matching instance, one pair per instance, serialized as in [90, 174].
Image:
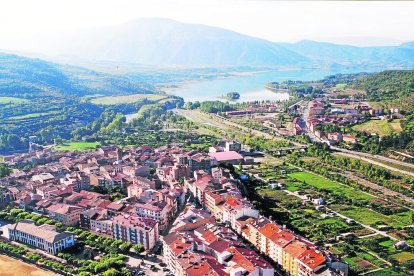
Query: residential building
[135, 229]
[65, 213]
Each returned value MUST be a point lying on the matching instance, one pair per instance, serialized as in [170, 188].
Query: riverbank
[13, 267]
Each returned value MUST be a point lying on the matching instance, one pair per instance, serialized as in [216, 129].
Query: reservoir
[250, 86]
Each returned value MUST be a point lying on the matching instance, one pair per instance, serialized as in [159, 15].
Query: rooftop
[225, 156]
[45, 232]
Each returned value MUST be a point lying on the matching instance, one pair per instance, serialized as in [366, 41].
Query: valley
[195, 138]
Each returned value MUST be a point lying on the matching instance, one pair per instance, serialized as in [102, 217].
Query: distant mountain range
[165, 42]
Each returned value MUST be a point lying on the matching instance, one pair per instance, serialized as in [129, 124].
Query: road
[361, 155]
[378, 157]
[382, 189]
[349, 153]
[373, 162]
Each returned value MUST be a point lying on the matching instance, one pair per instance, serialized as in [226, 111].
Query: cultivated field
[333, 187]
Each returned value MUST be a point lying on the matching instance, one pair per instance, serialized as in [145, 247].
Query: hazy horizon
[351, 23]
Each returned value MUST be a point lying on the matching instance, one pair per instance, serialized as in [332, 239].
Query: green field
[33, 115]
[403, 257]
[77, 146]
[110, 100]
[369, 217]
[322, 183]
[380, 127]
[7, 100]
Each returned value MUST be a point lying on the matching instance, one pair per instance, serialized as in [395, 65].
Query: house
[6, 196]
[394, 110]
[96, 220]
[349, 139]
[45, 178]
[44, 237]
[232, 146]
[335, 137]
[65, 213]
[158, 211]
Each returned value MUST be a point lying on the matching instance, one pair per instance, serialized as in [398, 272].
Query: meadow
[77, 146]
[12, 100]
[380, 127]
[323, 183]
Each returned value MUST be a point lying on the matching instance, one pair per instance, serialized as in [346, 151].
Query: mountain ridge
[166, 42]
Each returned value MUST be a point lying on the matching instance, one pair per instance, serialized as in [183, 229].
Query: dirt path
[12, 267]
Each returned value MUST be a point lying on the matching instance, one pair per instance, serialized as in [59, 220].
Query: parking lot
[151, 264]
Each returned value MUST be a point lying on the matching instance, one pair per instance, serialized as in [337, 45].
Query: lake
[249, 86]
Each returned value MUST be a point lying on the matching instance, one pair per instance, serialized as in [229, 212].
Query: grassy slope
[380, 127]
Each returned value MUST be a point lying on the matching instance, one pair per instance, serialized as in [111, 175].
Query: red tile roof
[312, 258]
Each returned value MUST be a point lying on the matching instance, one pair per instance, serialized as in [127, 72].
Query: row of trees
[87, 244]
[36, 258]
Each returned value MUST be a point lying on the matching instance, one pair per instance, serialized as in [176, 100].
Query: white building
[44, 237]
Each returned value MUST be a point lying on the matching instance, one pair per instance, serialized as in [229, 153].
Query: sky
[358, 23]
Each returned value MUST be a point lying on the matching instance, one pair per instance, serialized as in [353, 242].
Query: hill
[392, 88]
[329, 53]
[27, 78]
[165, 42]
[155, 41]
[49, 100]
[388, 85]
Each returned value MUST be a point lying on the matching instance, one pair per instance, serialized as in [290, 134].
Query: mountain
[165, 42]
[383, 56]
[168, 42]
[29, 77]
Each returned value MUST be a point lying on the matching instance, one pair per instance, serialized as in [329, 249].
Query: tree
[124, 247]
[4, 171]
[111, 272]
[138, 248]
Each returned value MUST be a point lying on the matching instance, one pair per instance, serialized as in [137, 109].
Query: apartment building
[135, 229]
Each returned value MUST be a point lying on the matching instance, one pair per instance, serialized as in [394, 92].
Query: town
[186, 202]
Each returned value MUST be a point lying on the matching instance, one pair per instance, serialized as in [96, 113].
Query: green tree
[138, 248]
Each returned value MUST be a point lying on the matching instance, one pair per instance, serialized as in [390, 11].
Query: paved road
[356, 156]
[377, 187]
[379, 157]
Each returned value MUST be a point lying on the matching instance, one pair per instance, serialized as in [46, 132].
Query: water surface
[250, 86]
